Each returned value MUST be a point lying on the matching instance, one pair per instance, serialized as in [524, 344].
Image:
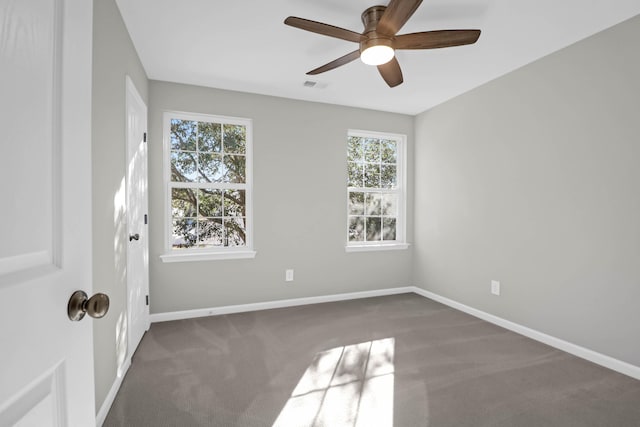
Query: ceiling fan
[379, 41]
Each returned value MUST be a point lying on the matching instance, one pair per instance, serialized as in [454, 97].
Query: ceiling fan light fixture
[380, 38]
[376, 50]
[377, 54]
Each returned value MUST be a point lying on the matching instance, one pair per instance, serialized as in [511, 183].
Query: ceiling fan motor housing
[371, 37]
[371, 16]
[375, 40]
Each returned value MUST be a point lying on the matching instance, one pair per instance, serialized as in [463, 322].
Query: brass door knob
[79, 305]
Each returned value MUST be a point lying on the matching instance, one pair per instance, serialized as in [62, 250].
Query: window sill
[207, 256]
[374, 248]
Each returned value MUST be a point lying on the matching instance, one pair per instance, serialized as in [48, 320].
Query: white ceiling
[243, 45]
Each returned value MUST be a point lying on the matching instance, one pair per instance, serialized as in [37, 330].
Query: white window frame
[401, 222]
[217, 253]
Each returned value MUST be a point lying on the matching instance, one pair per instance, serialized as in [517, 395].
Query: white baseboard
[111, 396]
[584, 353]
[229, 309]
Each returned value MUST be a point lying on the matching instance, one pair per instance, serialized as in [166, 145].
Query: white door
[46, 360]
[137, 219]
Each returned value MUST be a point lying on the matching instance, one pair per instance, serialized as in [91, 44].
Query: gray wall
[299, 204]
[113, 58]
[533, 180]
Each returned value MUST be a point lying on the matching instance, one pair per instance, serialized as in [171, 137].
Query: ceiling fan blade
[391, 72]
[337, 62]
[324, 29]
[397, 14]
[436, 39]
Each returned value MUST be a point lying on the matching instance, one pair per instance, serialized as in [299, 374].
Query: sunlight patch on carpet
[345, 386]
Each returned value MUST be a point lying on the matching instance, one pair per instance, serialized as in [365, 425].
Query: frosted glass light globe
[377, 55]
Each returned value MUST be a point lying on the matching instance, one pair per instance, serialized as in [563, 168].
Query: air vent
[315, 84]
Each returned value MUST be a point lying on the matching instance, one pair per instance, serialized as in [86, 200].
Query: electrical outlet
[495, 287]
[288, 275]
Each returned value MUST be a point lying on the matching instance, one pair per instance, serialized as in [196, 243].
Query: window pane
[374, 196]
[209, 203]
[235, 169]
[183, 135]
[234, 203]
[354, 149]
[356, 229]
[374, 224]
[183, 166]
[355, 173]
[209, 137]
[235, 232]
[389, 229]
[183, 202]
[389, 151]
[356, 203]
[373, 205]
[390, 204]
[372, 150]
[235, 137]
[184, 233]
[212, 157]
[371, 175]
[210, 167]
[210, 232]
[388, 176]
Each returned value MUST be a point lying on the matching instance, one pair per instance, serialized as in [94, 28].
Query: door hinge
[147, 299]
[145, 219]
[144, 137]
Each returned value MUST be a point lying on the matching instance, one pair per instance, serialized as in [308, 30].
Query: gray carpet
[394, 361]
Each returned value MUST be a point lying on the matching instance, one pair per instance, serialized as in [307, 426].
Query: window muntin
[375, 190]
[208, 183]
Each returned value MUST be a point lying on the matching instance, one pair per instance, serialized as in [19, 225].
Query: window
[208, 187]
[375, 191]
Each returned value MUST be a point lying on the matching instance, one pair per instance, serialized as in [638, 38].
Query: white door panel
[137, 201]
[28, 87]
[46, 361]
